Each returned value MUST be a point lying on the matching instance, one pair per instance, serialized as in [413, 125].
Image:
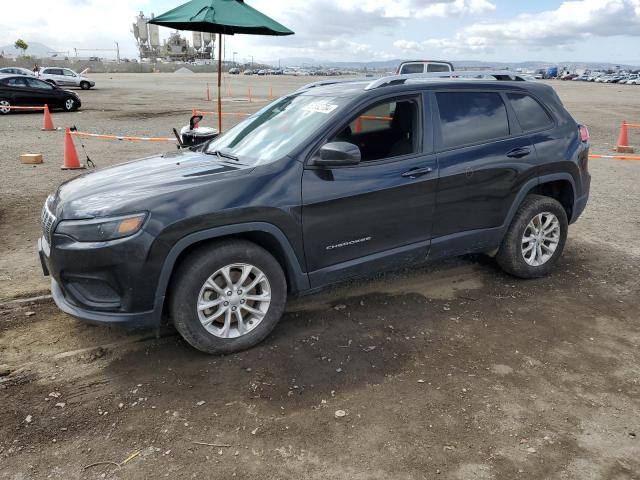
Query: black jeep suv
[328, 183]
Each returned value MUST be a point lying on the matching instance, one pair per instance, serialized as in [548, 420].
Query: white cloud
[567, 25]
[66, 24]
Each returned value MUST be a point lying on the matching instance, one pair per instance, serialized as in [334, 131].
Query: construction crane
[117, 50]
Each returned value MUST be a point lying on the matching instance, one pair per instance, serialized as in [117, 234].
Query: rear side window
[530, 113]
[15, 82]
[471, 117]
[412, 68]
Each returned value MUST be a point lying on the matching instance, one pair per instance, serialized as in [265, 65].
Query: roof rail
[323, 83]
[455, 75]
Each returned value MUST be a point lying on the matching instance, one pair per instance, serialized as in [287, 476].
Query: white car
[65, 77]
[16, 71]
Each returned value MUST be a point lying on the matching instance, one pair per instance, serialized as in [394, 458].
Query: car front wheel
[227, 296]
[70, 104]
[85, 85]
[4, 106]
[536, 238]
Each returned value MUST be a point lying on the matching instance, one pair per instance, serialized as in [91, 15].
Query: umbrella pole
[220, 82]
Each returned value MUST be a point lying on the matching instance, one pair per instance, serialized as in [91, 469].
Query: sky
[363, 30]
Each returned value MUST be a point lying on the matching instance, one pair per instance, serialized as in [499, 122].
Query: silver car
[16, 71]
[65, 77]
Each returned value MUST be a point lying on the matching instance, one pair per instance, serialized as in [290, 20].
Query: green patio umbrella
[224, 17]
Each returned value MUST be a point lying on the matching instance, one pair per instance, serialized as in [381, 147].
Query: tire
[70, 104]
[51, 82]
[5, 102]
[534, 258]
[191, 287]
[85, 85]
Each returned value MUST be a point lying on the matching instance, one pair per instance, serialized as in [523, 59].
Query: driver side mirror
[337, 154]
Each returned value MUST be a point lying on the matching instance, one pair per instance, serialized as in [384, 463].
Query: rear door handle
[519, 152]
[417, 172]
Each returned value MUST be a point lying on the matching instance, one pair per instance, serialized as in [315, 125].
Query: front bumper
[143, 320]
[85, 294]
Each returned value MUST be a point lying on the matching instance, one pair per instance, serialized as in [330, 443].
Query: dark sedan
[20, 90]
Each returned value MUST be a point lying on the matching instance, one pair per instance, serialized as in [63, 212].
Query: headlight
[102, 229]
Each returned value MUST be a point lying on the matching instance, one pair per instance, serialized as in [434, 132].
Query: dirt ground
[452, 371]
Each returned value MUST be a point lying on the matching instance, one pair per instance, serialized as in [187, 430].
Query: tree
[21, 45]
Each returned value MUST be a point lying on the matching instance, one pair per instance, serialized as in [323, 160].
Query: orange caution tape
[616, 157]
[119, 137]
[224, 114]
[24, 108]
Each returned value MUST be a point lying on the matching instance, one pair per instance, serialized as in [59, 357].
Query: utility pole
[234, 59]
[251, 62]
[117, 52]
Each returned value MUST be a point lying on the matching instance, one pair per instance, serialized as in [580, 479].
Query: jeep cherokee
[325, 184]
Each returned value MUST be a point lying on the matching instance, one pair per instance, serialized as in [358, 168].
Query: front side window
[35, 83]
[387, 130]
[278, 129]
[438, 67]
[68, 73]
[471, 117]
[530, 113]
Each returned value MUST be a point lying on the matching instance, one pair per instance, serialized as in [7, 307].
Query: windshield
[279, 128]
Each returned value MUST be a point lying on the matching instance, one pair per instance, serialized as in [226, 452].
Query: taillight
[584, 133]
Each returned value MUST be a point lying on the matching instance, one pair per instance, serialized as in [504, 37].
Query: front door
[379, 211]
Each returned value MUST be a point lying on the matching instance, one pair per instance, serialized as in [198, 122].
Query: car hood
[127, 186]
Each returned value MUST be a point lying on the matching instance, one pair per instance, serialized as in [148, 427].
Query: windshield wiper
[220, 154]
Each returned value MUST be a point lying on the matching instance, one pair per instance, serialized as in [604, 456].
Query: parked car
[248, 72]
[16, 71]
[328, 183]
[26, 91]
[424, 66]
[262, 72]
[569, 76]
[65, 77]
[234, 71]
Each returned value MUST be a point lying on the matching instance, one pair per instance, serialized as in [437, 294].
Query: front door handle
[519, 152]
[417, 172]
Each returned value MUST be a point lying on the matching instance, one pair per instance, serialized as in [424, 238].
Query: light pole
[251, 62]
[117, 52]
[234, 59]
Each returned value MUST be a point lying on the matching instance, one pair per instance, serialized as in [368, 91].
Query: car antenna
[89, 161]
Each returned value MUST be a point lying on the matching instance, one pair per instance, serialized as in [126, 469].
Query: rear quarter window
[531, 115]
[468, 118]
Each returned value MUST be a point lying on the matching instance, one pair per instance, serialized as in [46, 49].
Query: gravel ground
[452, 371]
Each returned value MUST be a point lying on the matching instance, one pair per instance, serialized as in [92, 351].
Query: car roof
[353, 88]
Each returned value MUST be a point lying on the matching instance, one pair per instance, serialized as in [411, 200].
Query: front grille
[48, 221]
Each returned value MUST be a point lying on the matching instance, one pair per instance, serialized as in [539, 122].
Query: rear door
[484, 160]
[376, 214]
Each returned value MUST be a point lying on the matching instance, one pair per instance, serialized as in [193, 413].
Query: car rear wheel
[52, 82]
[85, 85]
[227, 296]
[4, 106]
[70, 104]
[536, 238]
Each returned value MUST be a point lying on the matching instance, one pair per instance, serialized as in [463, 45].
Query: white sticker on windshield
[320, 107]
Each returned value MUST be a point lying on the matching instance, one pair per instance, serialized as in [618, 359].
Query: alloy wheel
[540, 239]
[4, 106]
[234, 300]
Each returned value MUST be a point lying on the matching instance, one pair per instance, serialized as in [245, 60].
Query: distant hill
[461, 64]
[35, 49]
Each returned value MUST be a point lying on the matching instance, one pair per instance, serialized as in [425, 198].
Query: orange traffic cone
[623, 140]
[48, 122]
[71, 161]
